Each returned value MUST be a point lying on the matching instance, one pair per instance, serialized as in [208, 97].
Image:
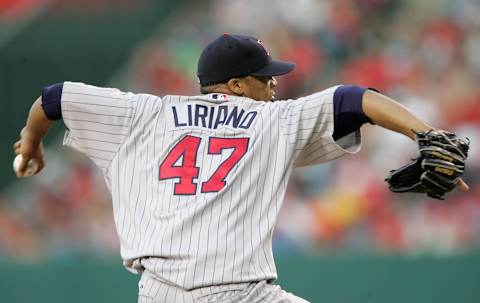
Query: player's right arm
[326, 125]
[389, 114]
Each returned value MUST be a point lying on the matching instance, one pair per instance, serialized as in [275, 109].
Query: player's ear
[236, 86]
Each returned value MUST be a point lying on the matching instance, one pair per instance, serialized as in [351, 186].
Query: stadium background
[342, 236]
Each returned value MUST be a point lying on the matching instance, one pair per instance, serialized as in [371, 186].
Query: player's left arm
[30, 144]
[98, 120]
[388, 113]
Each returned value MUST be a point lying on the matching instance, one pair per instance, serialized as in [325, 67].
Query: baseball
[31, 166]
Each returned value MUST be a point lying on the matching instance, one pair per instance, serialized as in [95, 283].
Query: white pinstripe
[195, 241]
[152, 290]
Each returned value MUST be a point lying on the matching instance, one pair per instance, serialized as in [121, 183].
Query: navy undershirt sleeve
[348, 112]
[51, 97]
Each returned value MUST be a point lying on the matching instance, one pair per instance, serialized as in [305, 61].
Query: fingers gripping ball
[438, 167]
[29, 171]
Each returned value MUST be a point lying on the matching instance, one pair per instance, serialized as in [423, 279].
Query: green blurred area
[318, 279]
[68, 46]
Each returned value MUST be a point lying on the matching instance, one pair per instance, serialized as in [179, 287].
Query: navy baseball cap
[231, 56]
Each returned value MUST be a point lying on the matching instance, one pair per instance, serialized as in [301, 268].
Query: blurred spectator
[15, 10]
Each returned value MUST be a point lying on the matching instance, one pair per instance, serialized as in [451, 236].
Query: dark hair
[208, 89]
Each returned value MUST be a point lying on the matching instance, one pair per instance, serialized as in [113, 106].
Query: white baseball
[31, 166]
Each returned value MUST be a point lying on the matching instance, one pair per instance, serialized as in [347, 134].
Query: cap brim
[275, 68]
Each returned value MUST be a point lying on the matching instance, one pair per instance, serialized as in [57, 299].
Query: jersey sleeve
[309, 124]
[98, 120]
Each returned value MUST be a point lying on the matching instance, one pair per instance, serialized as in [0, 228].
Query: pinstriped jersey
[197, 181]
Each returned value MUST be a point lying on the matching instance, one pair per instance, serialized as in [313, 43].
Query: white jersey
[197, 182]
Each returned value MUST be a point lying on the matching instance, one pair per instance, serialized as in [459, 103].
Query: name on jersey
[212, 116]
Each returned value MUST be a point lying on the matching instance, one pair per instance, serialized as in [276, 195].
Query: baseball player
[197, 182]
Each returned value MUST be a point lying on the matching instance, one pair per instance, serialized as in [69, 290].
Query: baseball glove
[438, 167]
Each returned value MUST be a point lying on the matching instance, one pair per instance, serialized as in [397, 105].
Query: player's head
[239, 65]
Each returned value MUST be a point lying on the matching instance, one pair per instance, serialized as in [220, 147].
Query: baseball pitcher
[197, 182]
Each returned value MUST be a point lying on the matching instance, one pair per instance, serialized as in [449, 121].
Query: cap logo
[263, 46]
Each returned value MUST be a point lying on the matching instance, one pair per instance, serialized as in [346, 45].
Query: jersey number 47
[187, 171]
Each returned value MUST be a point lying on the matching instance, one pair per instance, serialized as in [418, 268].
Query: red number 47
[186, 171]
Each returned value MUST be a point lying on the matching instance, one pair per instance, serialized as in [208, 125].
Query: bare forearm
[389, 114]
[37, 122]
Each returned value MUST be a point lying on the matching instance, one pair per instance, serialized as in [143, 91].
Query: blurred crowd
[423, 54]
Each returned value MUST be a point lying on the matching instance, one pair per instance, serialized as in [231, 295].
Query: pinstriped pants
[151, 290]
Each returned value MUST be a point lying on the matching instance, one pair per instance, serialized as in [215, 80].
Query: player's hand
[31, 149]
[462, 185]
